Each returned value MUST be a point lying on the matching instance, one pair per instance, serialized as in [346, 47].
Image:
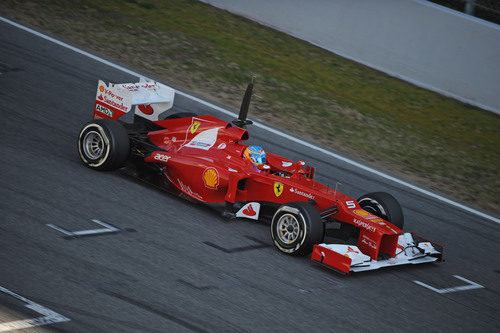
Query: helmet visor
[259, 158]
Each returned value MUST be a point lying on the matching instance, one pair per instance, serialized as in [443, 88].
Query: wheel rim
[93, 145]
[373, 207]
[288, 228]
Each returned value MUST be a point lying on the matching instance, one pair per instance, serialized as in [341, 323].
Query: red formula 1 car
[204, 158]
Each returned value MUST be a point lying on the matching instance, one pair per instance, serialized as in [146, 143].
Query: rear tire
[103, 144]
[383, 205]
[296, 227]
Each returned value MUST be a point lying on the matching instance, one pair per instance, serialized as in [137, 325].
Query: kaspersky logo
[363, 224]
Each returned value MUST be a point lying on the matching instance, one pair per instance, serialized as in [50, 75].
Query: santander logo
[350, 249]
[146, 109]
[249, 211]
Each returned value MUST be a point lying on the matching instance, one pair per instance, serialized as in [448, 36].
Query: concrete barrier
[428, 45]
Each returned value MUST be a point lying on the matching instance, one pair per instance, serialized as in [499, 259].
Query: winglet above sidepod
[412, 249]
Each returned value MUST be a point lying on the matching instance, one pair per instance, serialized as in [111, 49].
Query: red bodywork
[203, 157]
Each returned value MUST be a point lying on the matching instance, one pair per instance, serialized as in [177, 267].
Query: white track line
[107, 229]
[471, 285]
[267, 128]
[49, 316]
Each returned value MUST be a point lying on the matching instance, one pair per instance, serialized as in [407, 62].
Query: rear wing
[148, 99]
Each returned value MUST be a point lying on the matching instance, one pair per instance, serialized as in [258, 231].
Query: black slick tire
[296, 227]
[383, 205]
[103, 144]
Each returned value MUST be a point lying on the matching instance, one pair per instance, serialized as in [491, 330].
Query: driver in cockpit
[255, 154]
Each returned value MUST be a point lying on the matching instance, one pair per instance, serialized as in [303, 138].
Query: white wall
[428, 45]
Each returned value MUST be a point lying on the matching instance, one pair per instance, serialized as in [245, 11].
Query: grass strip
[423, 137]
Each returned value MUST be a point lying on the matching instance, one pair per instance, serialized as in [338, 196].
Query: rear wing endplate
[148, 99]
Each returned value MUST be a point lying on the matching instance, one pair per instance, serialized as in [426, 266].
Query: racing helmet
[255, 154]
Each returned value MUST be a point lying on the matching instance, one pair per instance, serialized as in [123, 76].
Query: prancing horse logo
[194, 127]
[278, 188]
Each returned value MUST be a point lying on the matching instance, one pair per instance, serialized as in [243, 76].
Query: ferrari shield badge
[278, 188]
[194, 127]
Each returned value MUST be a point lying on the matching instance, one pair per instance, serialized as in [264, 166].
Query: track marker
[471, 285]
[265, 127]
[49, 316]
[93, 232]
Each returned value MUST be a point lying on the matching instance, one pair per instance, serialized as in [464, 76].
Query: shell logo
[361, 212]
[101, 88]
[194, 127]
[211, 178]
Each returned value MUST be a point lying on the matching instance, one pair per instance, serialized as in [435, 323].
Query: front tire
[383, 205]
[296, 227]
[103, 144]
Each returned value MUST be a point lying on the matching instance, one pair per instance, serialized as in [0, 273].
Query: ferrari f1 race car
[203, 158]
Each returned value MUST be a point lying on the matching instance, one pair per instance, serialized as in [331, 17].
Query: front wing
[412, 249]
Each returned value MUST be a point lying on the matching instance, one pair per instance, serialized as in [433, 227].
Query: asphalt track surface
[176, 266]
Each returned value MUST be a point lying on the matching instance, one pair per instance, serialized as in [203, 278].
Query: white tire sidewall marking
[373, 201]
[106, 141]
[302, 233]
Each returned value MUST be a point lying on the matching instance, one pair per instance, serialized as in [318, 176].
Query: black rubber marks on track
[158, 310]
[4, 68]
[224, 282]
[260, 244]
